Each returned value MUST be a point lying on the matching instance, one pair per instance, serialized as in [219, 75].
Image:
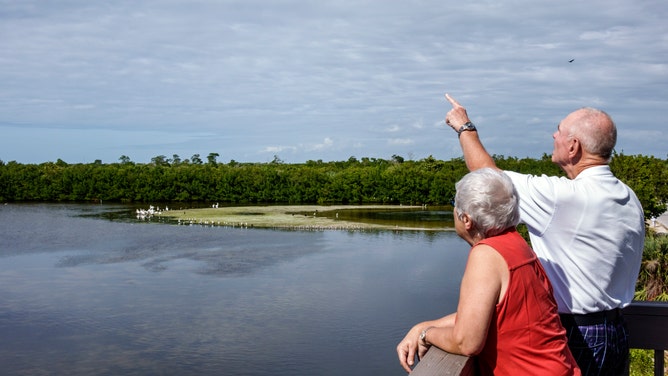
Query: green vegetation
[641, 362]
[365, 181]
[302, 217]
[653, 278]
[652, 285]
[648, 177]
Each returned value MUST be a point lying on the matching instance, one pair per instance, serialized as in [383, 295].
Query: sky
[255, 80]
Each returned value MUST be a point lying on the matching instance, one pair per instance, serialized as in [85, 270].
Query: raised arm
[475, 155]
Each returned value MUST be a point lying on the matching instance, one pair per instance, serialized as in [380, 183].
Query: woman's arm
[484, 282]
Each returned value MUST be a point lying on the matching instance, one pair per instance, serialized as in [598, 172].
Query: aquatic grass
[299, 217]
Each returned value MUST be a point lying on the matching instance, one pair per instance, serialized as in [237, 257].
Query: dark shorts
[599, 343]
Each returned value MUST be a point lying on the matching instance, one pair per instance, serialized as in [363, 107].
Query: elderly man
[588, 231]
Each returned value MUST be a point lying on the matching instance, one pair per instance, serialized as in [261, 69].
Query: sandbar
[298, 217]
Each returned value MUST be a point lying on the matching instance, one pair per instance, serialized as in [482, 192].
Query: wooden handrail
[437, 362]
[648, 329]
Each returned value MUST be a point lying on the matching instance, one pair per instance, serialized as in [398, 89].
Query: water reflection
[82, 296]
[437, 217]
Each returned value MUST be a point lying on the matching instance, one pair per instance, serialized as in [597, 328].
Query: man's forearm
[475, 155]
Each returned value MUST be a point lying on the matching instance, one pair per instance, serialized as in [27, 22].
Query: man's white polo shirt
[588, 233]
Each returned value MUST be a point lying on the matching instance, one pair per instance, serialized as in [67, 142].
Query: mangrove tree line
[355, 181]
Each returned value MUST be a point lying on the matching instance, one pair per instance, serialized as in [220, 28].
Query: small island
[298, 217]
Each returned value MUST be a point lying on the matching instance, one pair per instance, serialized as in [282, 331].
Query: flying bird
[571, 60]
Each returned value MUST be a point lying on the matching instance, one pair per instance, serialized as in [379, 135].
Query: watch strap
[468, 126]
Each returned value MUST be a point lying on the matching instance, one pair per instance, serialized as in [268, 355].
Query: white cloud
[327, 143]
[255, 73]
[393, 129]
[278, 149]
[417, 125]
[400, 141]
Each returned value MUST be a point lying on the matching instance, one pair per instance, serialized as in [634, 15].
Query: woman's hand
[409, 347]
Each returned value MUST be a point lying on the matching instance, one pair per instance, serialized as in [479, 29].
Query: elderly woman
[506, 315]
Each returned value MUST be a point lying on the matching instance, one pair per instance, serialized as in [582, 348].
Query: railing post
[658, 363]
[648, 329]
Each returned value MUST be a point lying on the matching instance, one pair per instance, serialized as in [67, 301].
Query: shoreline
[296, 217]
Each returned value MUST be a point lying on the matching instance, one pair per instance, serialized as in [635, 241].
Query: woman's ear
[468, 224]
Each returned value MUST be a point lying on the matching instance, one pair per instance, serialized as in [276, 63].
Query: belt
[594, 318]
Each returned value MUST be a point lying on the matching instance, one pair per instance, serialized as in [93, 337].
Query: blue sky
[307, 80]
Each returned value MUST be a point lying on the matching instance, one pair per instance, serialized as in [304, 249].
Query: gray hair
[489, 197]
[596, 131]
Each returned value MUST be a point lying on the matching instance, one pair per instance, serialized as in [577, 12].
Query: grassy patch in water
[292, 217]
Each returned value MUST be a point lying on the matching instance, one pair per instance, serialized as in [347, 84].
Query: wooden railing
[648, 329]
[437, 362]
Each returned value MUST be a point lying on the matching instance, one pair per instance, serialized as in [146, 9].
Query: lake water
[85, 289]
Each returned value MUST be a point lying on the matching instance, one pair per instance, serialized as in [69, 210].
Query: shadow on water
[437, 217]
[209, 251]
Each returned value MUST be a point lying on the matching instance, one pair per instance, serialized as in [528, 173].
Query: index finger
[452, 100]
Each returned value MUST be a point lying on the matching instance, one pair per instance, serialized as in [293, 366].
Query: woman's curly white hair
[489, 197]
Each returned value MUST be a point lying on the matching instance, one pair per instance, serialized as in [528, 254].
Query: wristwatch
[468, 126]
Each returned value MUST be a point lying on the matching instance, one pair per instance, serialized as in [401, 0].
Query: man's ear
[574, 149]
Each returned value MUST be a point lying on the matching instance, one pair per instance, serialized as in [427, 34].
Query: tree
[277, 160]
[195, 159]
[211, 158]
[124, 159]
[428, 181]
[647, 176]
[159, 160]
